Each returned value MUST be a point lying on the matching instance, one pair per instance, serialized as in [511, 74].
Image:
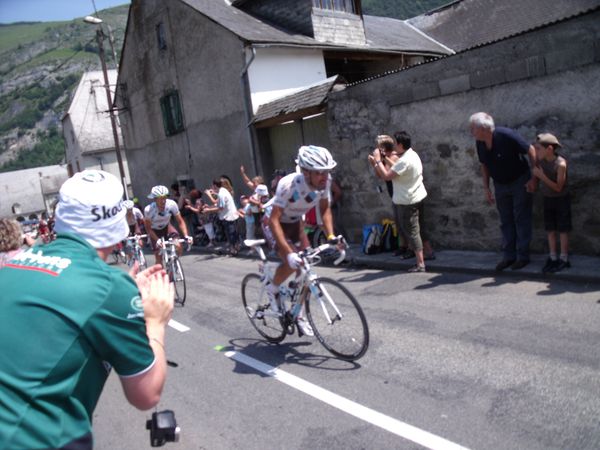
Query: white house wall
[87, 129]
[280, 71]
[30, 188]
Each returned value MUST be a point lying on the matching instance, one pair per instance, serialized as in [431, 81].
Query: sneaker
[274, 301]
[430, 257]
[400, 251]
[417, 268]
[504, 264]
[519, 264]
[550, 265]
[304, 327]
[408, 255]
[560, 265]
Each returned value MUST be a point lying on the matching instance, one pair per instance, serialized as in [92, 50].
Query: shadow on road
[277, 355]
[553, 287]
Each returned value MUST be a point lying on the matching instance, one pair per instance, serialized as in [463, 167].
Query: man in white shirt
[157, 219]
[227, 212]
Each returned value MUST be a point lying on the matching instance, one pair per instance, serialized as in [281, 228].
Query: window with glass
[171, 111]
[161, 36]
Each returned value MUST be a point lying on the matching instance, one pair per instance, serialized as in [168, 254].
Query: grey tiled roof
[383, 34]
[388, 34]
[465, 24]
[247, 27]
[310, 97]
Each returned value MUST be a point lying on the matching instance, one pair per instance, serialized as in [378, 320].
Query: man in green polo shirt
[67, 318]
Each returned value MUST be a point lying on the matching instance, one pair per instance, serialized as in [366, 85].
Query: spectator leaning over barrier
[406, 173]
[503, 155]
[68, 318]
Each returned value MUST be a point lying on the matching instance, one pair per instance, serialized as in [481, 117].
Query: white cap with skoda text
[90, 206]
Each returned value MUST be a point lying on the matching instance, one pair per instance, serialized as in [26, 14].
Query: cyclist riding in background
[296, 194]
[134, 218]
[157, 219]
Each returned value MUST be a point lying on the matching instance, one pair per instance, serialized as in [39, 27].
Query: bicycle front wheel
[177, 277]
[258, 309]
[337, 319]
[141, 259]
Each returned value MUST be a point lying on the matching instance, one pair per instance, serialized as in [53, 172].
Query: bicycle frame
[305, 278]
[135, 247]
[168, 249]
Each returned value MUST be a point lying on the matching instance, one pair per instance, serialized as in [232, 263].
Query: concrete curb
[586, 269]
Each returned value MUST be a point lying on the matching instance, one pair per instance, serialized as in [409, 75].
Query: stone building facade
[547, 79]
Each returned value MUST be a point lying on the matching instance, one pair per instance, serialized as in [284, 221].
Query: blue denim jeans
[231, 232]
[515, 205]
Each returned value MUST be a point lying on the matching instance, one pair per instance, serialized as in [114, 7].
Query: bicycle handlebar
[162, 242]
[136, 237]
[312, 252]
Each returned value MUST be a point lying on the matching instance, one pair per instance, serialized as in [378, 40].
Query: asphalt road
[455, 359]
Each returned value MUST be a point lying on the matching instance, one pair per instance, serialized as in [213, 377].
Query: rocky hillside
[42, 62]
[40, 65]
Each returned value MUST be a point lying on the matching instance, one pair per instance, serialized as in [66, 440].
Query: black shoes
[550, 265]
[555, 266]
[514, 265]
[504, 264]
[562, 265]
[519, 264]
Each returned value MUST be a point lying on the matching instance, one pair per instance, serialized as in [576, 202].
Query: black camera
[163, 428]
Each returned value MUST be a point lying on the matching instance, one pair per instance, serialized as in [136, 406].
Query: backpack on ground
[372, 239]
[389, 236]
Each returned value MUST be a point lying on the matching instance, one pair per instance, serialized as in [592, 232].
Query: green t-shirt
[66, 318]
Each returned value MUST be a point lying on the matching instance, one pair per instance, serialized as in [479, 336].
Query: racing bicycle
[335, 315]
[172, 265]
[134, 252]
[118, 254]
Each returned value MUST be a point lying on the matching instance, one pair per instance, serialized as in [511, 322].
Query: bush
[48, 152]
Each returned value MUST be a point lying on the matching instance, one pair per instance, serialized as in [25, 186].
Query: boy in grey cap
[551, 170]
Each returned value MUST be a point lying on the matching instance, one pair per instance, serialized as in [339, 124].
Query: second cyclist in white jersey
[157, 219]
[296, 194]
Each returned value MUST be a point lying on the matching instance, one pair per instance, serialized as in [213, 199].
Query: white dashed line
[390, 424]
[178, 326]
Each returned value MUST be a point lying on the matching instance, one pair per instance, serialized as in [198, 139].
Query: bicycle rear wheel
[258, 309]
[177, 277]
[347, 336]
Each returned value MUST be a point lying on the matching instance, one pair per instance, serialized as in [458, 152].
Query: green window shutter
[165, 114]
[170, 107]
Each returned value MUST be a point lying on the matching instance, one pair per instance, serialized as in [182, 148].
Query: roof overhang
[303, 103]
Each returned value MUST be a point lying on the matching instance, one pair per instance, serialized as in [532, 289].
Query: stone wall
[544, 80]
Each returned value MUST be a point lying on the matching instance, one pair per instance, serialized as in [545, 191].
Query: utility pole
[111, 113]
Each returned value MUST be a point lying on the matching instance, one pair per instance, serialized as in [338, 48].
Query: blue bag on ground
[371, 243]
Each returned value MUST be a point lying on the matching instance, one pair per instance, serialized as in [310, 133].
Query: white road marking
[178, 326]
[390, 424]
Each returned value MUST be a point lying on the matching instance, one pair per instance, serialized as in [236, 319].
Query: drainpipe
[248, 107]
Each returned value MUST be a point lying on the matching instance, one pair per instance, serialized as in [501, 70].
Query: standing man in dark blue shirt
[504, 156]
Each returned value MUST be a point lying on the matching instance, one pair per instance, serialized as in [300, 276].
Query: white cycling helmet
[312, 157]
[159, 191]
[128, 204]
